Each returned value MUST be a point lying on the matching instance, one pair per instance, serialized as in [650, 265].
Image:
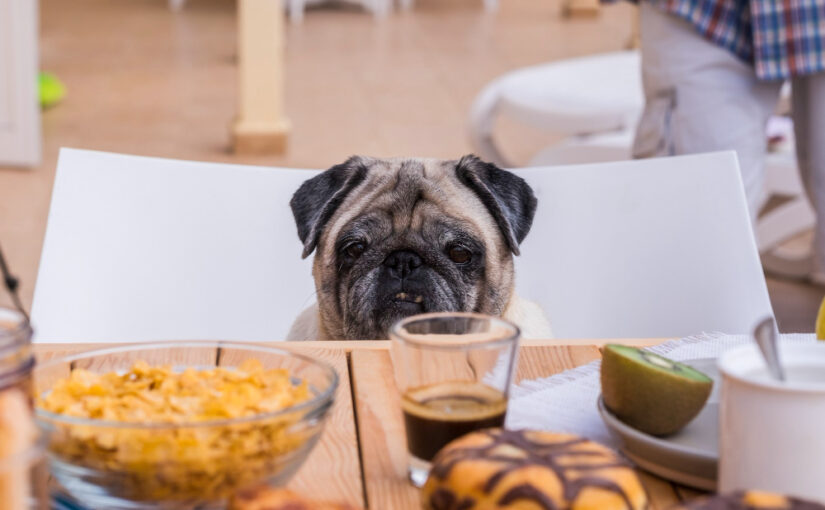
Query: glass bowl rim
[14, 335]
[397, 336]
[316, 402]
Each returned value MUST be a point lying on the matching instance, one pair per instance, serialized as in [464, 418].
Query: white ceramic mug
[772, 434]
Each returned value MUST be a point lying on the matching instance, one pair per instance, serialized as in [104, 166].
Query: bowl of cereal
[179, 425]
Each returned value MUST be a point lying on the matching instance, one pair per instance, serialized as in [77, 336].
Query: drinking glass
[453, 371]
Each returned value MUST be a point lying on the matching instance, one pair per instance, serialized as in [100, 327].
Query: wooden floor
[147, 81]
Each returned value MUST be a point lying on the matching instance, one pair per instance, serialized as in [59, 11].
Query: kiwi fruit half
[650, 392]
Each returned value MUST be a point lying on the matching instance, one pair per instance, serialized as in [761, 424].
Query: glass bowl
[121, 465]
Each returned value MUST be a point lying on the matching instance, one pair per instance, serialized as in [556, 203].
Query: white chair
[147, 249]
[296, 8]
[571, 97]
[643, 248]
[777, 225]
[489, 5]
[595, 102]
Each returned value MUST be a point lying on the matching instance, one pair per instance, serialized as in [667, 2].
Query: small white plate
[689, 457]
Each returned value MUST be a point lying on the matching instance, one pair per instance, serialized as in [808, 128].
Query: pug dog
[398, 237]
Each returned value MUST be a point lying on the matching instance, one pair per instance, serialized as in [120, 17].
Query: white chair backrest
[153, 249]
[646, 248]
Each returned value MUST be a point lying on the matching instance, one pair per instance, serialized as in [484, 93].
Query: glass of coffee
[454, 372]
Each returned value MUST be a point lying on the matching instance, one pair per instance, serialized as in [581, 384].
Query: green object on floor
[52, 90]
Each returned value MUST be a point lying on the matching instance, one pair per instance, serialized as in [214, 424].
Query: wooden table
[361, 458]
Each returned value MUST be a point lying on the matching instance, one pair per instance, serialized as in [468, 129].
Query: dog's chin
[389, 310]
[371, 316]
[398, 307]
[403, 309]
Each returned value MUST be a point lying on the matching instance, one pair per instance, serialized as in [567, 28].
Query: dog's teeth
[419, 299]
[401, 295]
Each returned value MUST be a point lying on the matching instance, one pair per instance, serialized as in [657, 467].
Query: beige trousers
[700, 97]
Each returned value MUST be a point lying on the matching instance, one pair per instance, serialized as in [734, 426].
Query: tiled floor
[144, 80]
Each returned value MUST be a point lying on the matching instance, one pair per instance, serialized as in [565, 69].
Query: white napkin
[566, 402]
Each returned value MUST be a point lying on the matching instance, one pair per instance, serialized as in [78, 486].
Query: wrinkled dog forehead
[468, 189]
[404, 178]
[411, 191]
[398, 186]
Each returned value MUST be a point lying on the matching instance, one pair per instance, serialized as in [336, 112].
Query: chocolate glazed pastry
[497, 468]
[750, 500]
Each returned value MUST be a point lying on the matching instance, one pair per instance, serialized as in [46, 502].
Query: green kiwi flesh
[649, 392]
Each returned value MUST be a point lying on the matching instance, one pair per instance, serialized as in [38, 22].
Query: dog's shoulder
[307, 326]
[529, 317]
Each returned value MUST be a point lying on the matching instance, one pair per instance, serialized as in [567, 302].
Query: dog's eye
[460, 255]
[355, 250]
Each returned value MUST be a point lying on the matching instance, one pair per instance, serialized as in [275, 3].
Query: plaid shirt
[781, 38]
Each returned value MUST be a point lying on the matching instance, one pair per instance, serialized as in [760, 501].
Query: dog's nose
[402, 263]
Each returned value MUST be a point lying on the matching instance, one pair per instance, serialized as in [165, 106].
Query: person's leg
[808, 99]
[701, 98]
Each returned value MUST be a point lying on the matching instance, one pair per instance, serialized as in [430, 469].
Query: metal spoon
[766, 336]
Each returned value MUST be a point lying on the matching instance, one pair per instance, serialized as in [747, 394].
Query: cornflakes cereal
[185, 454]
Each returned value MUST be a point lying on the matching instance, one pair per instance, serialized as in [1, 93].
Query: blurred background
[146, 77]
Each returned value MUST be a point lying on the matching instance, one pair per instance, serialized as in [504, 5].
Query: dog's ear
[318, 198]
[508, 197]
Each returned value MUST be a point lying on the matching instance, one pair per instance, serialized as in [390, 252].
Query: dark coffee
[435, 415]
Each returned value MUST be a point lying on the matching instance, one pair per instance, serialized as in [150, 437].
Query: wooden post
[261, 125]
[581, 8]
[635, 41]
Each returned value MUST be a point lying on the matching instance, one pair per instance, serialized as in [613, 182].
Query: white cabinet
[20, 138]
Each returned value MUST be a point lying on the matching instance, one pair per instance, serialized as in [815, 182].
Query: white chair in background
[148, 249]
[571, 97]
[296, 8]
[595, 102]
[643, 248]
[489, 5]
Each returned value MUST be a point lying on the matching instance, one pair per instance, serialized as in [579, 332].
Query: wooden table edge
[347, 345]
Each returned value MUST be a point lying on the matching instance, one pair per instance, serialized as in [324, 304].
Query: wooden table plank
[536, 361]
[381, 429]
[333, 469]
[45, 352]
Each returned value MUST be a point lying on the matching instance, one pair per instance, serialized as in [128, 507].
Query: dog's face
[397, 237]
